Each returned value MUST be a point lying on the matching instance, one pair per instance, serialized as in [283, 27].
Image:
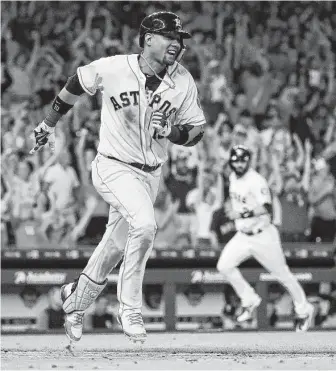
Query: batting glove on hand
[233, 215]
[161, 124]
[43, 134]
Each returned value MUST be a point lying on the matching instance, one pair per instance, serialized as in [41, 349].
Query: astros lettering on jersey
[125, 131]
[246, 193]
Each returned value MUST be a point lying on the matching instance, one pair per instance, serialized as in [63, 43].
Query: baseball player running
[256, 236]
[147, 100]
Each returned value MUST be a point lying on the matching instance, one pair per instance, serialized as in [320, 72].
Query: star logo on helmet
[178, 24]
[158, 24]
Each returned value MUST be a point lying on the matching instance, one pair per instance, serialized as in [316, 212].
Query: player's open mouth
[172, 52]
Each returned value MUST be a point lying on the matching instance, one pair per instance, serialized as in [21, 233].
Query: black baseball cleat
[302, 324]
[248, 312]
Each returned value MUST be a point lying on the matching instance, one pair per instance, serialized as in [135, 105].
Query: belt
[143, 167]
[250, 233]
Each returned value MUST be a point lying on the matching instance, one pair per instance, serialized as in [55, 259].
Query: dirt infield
[174, 351]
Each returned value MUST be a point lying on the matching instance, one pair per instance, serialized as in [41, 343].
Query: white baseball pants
[131, 227]
[266, 248]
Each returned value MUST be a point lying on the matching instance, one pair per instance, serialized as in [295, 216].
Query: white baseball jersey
[125, 131]
[246, 193]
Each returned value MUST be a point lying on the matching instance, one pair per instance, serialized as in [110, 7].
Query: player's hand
[35, 35]
[161, 124]
[233, 215]
[222, 117]
[43, 134]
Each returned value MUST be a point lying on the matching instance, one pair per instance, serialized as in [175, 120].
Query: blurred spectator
[277, 213]
[30, 296]
[21, 68]
[204, 200]
[298, 123]
[230, 309]
[273, 174]
[23, 310]
[279, 305]
[153, 306]
[93, 209]
[62, 183]
[190, 154]
[194, 294]
[280, 144]
[53, 315]
[322, 198]
[104, 313]
[239, 135]
[252, 139]
[225, 138]
[222, 228]
[179, 183]
[326, 316]
[165, 215]
[153, 296]
[6, 198]
[101, 317]
[220, 95]
[296, 172]
[269, 67]
[329, 152]
[288, 95]
[239, 105]
[21, 207]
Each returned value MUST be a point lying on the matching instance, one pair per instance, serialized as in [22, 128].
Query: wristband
[178, 135]
[60, 106]
[58, 109]
[247, 214]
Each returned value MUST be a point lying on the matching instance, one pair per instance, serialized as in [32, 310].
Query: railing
[170, 279]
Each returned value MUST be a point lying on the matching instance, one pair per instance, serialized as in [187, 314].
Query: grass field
[174, 351]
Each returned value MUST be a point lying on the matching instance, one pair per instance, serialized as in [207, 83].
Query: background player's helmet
[240, 158]
[163, 23]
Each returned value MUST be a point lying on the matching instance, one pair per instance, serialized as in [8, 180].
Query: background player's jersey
[125, 132]
[246, 193]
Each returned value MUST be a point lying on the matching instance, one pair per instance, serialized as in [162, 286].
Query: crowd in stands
[198, 308]
[265, 72]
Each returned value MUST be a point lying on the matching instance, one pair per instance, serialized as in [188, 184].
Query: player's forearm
[214, 240]
[316, 197]
[257, 211]
[300, 151]
[186, 135]
[306, 171]
[64, 101]
[261, 210]
[34, 56]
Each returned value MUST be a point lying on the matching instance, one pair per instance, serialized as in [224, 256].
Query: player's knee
[146, 226]
[224, 268]
[284, 275]
[110, 240]
[149, 230]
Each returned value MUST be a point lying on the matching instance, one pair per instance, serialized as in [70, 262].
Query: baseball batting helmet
[240, 154]
[163, 23]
